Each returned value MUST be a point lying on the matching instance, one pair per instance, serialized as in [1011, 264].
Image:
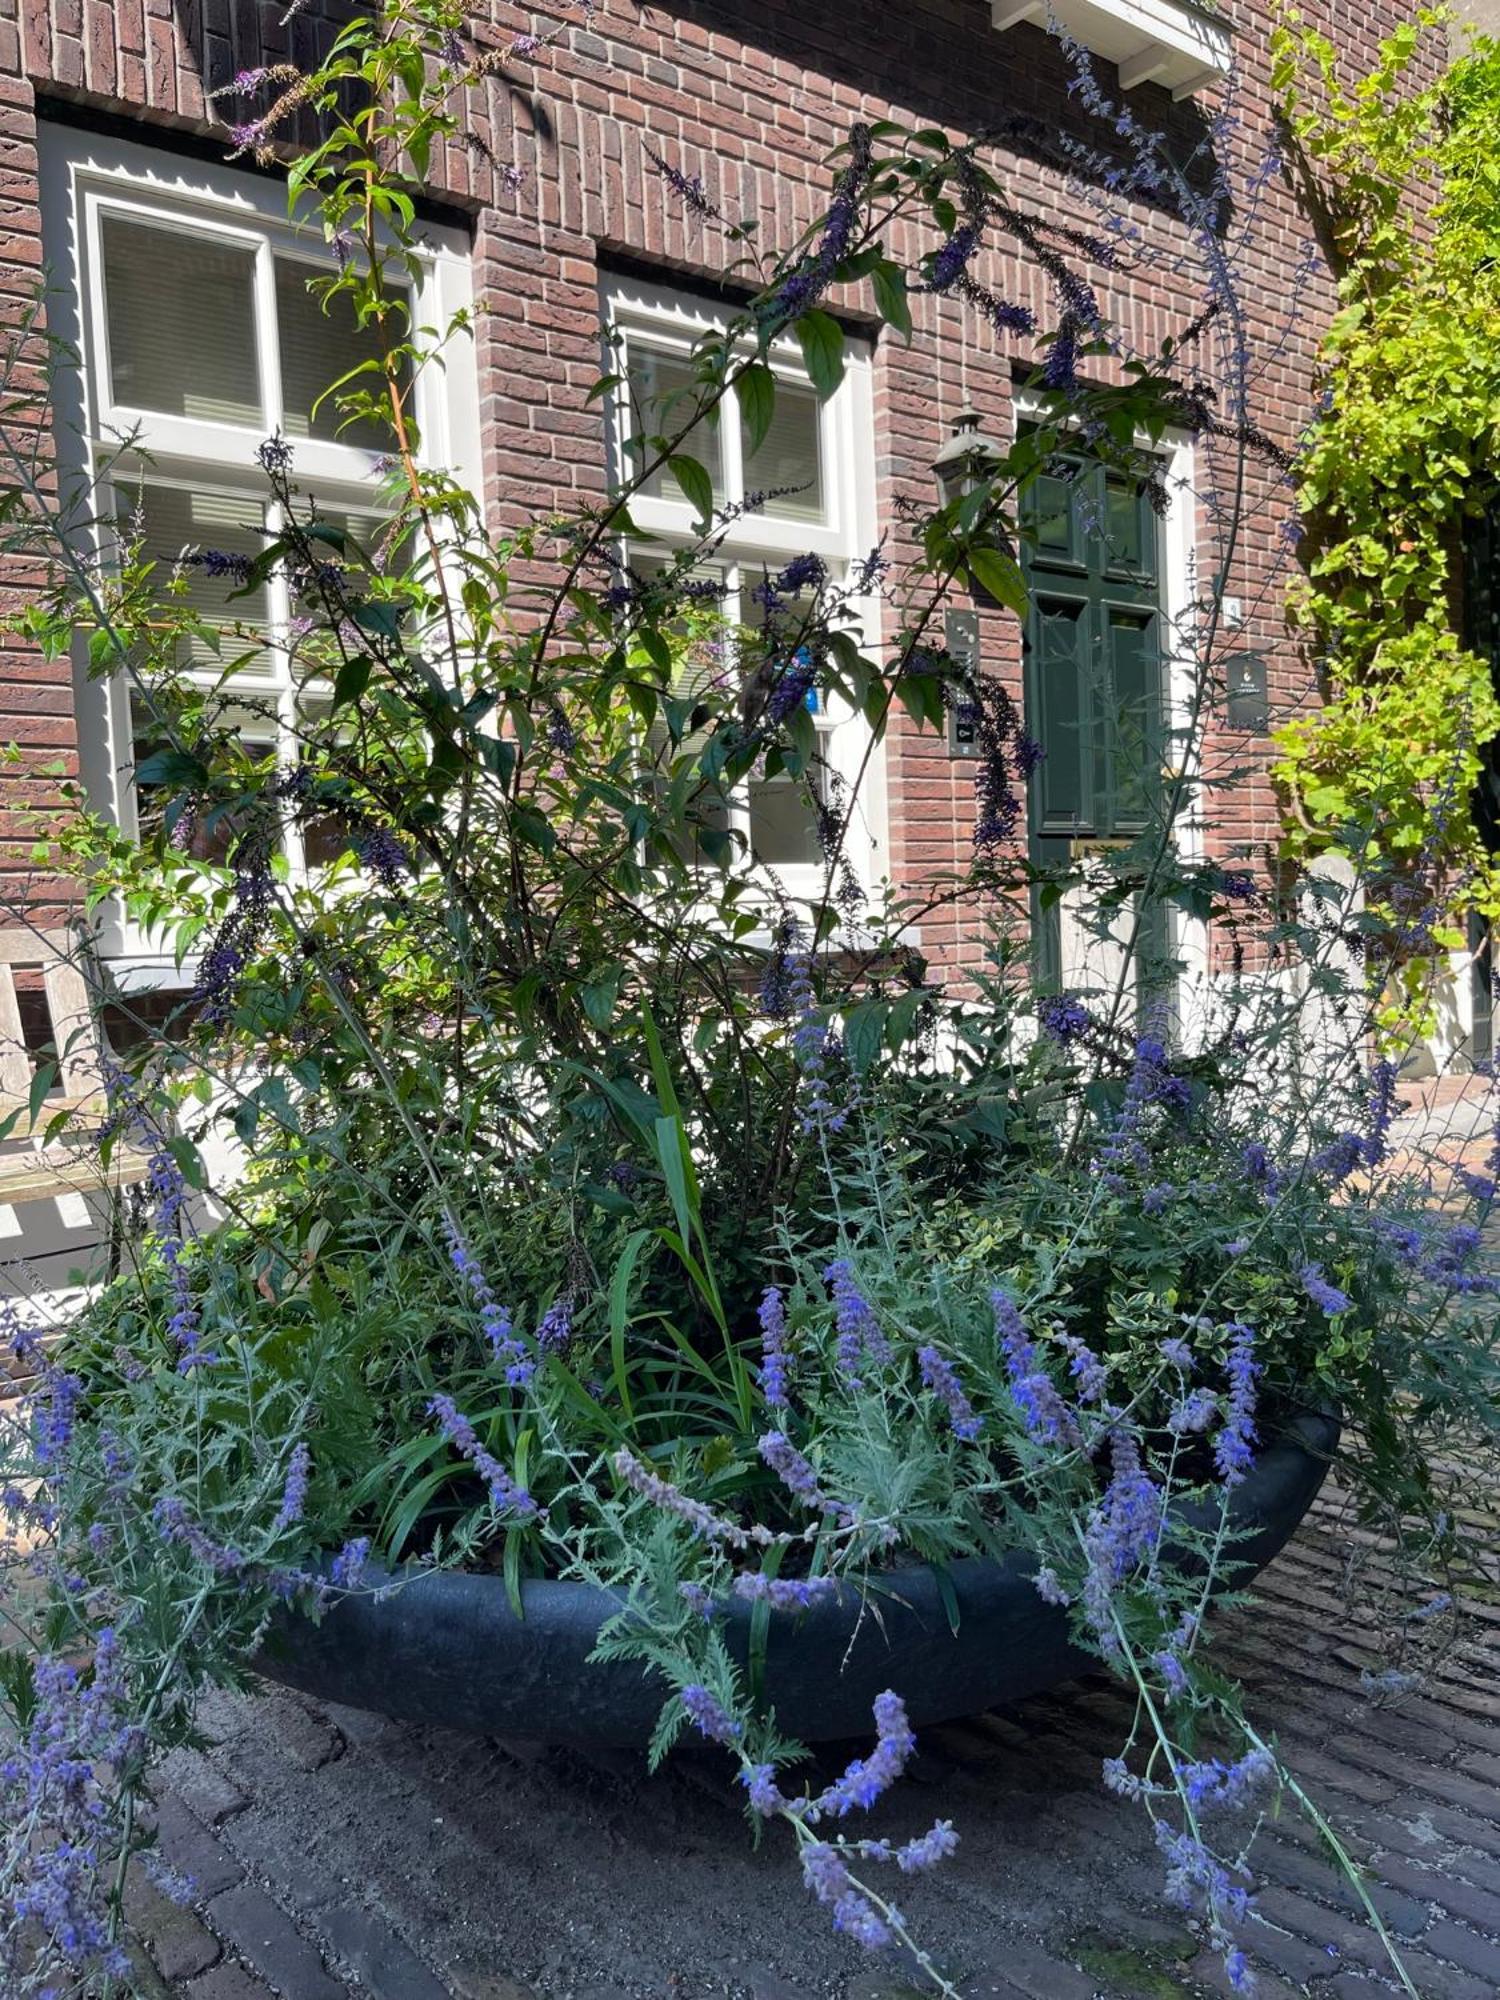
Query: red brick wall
[750, 99]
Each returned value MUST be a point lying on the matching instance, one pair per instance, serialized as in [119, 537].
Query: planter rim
[445, 1647]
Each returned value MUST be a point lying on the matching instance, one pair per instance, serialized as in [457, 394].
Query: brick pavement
[340, 1854]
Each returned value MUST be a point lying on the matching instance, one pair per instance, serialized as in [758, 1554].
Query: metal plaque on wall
[1247, 702]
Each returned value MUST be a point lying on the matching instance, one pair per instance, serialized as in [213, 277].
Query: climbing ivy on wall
[1400, 174]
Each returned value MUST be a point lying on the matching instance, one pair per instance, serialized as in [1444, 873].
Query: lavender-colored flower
[951, 260]
[1234, 1446]
[793, 686]
[928, 1849]
[348, 1567]
[555, 1328]
[1173, 1673]
[383, 855]
[505, 1495]
[804, 286]
[1029, 754]
[294, 1492]
[784, 1593]
[812, 1045]
[1341, 1157]
[704, 1522]
[1121, 1533]
[687, 187]
[765, 1794]
[1328, 1298]
[1048, 1587]
[1236, 885]
[1215, 1783]
[1177, 1354]
[941, 1378]
[55, 1788]
[709, 1715]
[1086, 1369]
[1064, 1018]
[506, 1346]
[868, 1778]
[177, 1525]
[774, 1362]
[861, 1339]
[1193, 1413]
[1046, 1415]
[797, 1475]
[275, 456]
[1003, 314]
[219, 563]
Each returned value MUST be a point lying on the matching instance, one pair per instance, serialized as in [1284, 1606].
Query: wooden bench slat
[37, 1176]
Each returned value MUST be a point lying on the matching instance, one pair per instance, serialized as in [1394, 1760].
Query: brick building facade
[114, 97]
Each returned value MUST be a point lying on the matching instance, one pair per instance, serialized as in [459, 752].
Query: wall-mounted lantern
[966, 458]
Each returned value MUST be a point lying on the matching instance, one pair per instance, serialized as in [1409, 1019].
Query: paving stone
[1038, 1975]
[1436, 1981]
[227, 1982]
[468, 1982]
[179, 1945]
[1443, 1885]
[265, 1935]
[188, 1846]
[1294, 1868]
[387, 1966]
[269, 1849]
[202, 1786]
[309, 1741]
[1458, 1944]
[1207, 1970]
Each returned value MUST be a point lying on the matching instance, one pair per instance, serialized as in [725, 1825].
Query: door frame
[1177, 604]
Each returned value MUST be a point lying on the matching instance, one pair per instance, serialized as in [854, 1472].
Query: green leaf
[821, 339]
[619, 1303]
[171, 767]
[600, 997]
[1000, 575]
[889, 283]
[694, 480]
[755, 386]
[864, 1031]
[353, 678]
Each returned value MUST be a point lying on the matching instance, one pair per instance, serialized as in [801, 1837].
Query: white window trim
[674, 321]
[86, 175]
[1178, 44]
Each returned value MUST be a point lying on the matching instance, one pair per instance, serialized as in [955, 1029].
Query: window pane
[252, 728]
[783, 828]
[181, 316]
[319, 348]
[789, 458]
[664, 393]
[175, 522]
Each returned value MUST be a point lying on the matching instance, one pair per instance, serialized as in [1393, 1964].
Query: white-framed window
[184, 290]
[815, 469]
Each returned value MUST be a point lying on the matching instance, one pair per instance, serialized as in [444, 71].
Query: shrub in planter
[610, 1216]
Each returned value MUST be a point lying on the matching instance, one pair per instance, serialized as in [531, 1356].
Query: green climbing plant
[1399, 172]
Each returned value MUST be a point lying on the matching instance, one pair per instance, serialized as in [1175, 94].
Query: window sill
[1166, 42]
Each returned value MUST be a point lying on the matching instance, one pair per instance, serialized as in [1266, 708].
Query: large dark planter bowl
[447, 1648]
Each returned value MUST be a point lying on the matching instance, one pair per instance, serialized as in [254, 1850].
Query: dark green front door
[1094, 653]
